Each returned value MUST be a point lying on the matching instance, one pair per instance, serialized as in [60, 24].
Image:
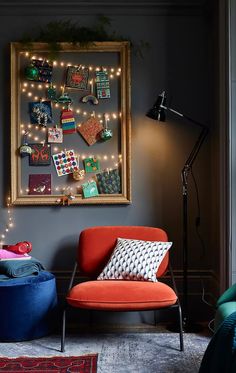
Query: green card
[90, 189]
[91, 164]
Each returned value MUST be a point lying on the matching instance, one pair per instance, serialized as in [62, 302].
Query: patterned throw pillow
[135, 260]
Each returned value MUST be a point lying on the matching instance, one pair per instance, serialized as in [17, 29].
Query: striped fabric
[67, 121]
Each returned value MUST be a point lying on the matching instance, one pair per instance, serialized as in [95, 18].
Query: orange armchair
[95, 247]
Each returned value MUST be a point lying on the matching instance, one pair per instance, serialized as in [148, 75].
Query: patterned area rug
[56, 364]
[121, 352]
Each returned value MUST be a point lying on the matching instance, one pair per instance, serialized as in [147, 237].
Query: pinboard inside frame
[70, 124]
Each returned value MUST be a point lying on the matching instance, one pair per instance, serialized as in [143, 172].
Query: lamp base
[188, 327]
[192, 327]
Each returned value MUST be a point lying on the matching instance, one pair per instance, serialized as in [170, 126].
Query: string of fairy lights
[57, 189]
[113, 72]
[9, 224]
[37, 91]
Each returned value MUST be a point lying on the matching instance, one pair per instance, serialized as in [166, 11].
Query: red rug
[56, 364]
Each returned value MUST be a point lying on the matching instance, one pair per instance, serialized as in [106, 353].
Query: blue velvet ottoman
[27, 307]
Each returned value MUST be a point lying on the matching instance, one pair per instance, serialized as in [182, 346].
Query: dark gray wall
[179, 61]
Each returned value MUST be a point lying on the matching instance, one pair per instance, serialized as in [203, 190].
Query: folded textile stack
[19, 268]
[16, 262]
[9, 255]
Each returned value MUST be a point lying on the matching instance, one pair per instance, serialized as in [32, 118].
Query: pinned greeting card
[90, 130]
[90, 189]
[77, 77]
[40, 112]
[65, 162]
[67, 121]
[41, 155]
[39, 184]
[109, 182]
[91, 164]
[103, 84]
[39, 71]
[55, 135]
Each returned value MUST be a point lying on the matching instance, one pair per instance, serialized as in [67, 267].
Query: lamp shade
[157, 112]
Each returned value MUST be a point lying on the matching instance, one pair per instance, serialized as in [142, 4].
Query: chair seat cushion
[121, 295]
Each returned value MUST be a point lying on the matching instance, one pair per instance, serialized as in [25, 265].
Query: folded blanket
[19, 268]
[5, 254]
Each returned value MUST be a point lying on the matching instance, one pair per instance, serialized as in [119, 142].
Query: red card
[39, 184]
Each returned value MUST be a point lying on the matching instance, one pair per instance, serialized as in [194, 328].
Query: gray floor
[122, 352]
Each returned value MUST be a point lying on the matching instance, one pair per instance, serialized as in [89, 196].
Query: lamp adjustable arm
[194, 152]
[192, 156]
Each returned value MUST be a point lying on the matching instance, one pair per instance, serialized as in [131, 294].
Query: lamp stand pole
[187, 326]
[158, 113]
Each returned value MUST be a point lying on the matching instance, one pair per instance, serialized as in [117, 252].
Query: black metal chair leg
[63, 331]
[181, 338]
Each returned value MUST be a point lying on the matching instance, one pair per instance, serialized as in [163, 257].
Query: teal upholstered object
[220, 355]
[28, 307]
[223, 311]
[228, 296]
[225, 305]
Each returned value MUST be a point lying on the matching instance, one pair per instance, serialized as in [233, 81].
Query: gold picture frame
[115, 154]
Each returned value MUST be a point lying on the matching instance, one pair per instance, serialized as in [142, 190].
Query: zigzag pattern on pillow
[135, 260]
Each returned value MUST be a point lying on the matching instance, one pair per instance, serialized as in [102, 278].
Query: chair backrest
[97, 243]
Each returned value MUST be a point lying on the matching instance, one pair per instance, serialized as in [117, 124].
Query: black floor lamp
[157, 112]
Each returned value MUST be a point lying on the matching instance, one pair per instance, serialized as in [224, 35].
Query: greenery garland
[56, 32]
